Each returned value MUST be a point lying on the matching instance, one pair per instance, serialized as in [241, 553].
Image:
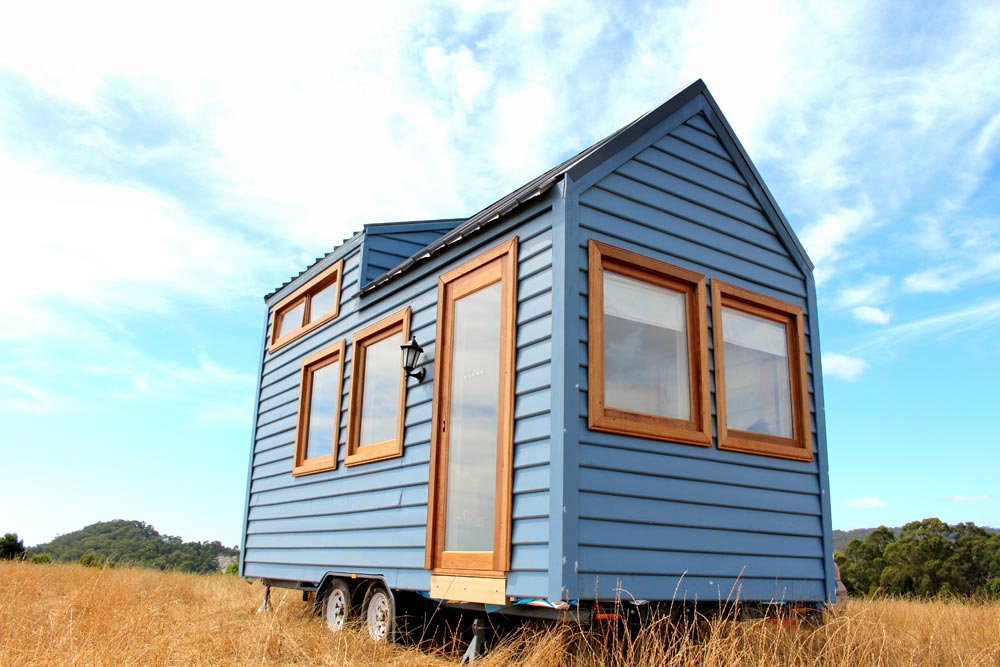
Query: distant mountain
[135, 543]
[841, 538]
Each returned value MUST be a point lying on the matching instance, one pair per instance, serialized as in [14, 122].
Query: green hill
[135, 543]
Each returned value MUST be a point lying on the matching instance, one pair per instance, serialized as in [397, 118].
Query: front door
[472, 445]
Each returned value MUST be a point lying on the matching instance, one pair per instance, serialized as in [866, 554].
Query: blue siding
[388, 245]
[664, 520]
[372, 518]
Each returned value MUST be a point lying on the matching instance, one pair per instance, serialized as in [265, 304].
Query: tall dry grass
[70, 615]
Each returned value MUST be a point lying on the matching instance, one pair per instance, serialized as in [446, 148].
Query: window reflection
[380, 396]
[291, 319]
[472, 443]
[645, 348]
[323, 409]
[323, 301]
[758, 386]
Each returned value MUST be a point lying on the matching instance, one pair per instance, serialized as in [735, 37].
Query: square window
[760, 374]
[648, 349]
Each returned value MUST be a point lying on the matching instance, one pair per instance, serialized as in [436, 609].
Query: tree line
[928, 558]
[124, 542]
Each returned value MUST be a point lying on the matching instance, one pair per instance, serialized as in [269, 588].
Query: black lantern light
[412, 352]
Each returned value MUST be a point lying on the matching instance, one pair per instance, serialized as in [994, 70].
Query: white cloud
[872, 292]
[871, 315]
[826, 239]
[113, 246]
[945, 324]
[843, 367]
[864, 503]
[948, 278]
[20, 395]
[959, 498]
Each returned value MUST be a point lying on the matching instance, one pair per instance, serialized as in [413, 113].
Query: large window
[648, 350]
[320, 395]
[378, 391]
[306, 308]
[760, 374]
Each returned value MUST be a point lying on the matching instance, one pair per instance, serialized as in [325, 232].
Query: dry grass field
[70, 615]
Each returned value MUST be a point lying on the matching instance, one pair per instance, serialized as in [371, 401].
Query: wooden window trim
[698, 429]
[332, 274]
[798, 447]
[466, 279]
[305, 466]
[397, 324]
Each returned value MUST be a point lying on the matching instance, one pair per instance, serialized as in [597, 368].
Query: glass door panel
[470, 499]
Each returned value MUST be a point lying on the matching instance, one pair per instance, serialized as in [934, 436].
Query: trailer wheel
[336, 604]
[378, 613]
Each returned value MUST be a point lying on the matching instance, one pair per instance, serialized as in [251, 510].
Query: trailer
[602, 391]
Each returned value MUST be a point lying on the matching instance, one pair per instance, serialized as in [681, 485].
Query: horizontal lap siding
[659, 520]
[372, 518]
[386, 250]
[532, 422]
[369, 519]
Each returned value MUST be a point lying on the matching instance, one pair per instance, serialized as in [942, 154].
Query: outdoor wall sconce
[412, 352]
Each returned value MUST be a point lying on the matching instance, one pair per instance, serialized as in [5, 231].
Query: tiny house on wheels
[603, 387]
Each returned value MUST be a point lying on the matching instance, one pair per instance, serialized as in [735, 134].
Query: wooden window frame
[464, 279]
[332, 274]
[333, 354]
[397, 324]
[799, 446]
[694, 431]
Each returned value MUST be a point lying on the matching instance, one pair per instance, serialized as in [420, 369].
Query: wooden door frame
[498, 264]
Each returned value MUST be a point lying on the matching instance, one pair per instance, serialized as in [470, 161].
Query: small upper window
[378, 391]
[648, 348]
[306, 308]
[320, 396]
[760, 374]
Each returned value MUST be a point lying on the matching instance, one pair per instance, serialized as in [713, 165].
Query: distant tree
[863, 561]
[41, 559]
[926, 559]
[90, 559]
[233, 569]
[11, 547]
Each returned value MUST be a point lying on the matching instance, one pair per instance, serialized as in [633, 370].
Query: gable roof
[583, 162]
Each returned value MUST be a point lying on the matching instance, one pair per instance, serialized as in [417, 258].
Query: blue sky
[164, 167]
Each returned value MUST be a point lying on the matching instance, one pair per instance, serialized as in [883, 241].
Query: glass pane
[758, 385]
[380, 395]
[323, 302]
[291, 319]
[472, 441]
[645, 348]
[323, 407]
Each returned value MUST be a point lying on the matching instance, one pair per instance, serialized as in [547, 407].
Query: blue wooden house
[617, 395]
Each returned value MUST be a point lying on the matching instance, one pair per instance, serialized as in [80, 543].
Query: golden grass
[68, 615]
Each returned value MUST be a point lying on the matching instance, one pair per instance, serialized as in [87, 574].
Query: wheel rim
[336, 610]
[379, 615]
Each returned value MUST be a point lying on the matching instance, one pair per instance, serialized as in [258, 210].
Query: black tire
[334, 604]
[378, 613]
